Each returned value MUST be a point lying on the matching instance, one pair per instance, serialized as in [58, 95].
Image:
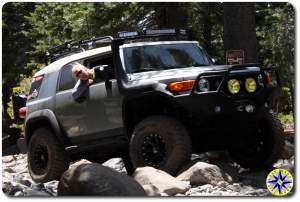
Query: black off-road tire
[271, 149]
[167, 131]
[41, 170]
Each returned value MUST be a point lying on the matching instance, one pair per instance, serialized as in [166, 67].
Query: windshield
[164, 56]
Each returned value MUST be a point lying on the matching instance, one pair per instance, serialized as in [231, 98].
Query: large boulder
[159, 183]
[95, 179]
[203, 173]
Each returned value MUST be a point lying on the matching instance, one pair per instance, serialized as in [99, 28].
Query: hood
[158, 80]
[178, 74]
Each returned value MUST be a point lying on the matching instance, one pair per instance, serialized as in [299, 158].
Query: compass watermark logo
[279, 182]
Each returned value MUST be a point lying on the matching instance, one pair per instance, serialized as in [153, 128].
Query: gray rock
[95, 179]
[38, 186]
[16, 180]
[234, 187]
[161, 180]
[7, 159]
[288, 164]
[31, 192]
[9, 170]
[203, 173]
[80, 162]
[51, 187]
[19, 193]
[151, 190]
[22, 180]
[289, 150]
[11, 188]
[164, 194]
[208, 188]
[222, 184]
[117, 164]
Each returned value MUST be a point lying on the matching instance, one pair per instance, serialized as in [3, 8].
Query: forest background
[265, 30]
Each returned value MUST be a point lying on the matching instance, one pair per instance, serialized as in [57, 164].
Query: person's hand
[78, 70]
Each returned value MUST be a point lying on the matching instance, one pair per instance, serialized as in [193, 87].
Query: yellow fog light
[233, 86]
[250, 85]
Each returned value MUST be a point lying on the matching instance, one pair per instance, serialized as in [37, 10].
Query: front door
[98, 116]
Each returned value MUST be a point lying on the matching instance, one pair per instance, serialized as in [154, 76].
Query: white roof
[55, 66]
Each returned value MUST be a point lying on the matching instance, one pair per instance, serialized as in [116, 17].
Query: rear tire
[161, 142]
[262, 148]
[47, 158]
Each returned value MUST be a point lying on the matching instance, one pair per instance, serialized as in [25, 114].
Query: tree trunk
[171, 15]
[207, 27]
[6, 119]
[239, 29]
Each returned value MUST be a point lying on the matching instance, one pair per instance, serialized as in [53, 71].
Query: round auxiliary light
[233, 86]
[250, 85]
[203, 85]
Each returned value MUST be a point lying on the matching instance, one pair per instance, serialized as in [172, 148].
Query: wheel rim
[40, 159]
[154, 150]
[256, 145]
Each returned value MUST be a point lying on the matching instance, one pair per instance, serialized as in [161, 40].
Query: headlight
[233, 86]
[250, 85]
[203, 85]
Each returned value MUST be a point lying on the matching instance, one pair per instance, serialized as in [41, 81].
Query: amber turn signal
[181, 85]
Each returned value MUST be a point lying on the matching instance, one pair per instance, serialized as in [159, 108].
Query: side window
[35, 87]
[66, 81]
[98, 61]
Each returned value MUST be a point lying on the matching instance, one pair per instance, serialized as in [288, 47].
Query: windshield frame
[137, 44]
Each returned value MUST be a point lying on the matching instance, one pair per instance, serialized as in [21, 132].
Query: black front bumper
[220, 110]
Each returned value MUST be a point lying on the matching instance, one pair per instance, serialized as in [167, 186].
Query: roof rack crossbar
[73, 46]
[97, 39]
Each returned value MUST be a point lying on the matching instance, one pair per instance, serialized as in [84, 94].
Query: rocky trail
[209, 174]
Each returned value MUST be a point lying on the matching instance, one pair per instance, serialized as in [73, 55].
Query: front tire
[47, 159]
[263, 147]
[161, 142]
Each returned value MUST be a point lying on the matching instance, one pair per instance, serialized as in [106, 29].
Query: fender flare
[128, 99]
[47, 116]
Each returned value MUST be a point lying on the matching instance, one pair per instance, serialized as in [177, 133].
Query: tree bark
[207, 27]
[239, 29]
[171, 15]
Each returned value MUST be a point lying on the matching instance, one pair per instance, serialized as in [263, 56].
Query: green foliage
[276, 35]
[206, 22]
[15, 46]
[286, 102]
[286, 118]
[31, 28]
[23, 87]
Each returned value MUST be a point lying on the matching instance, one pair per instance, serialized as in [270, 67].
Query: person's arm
[94, 74]
[83, 73]
[80, 89]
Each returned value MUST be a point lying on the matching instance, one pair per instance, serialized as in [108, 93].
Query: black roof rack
[71, 47]
[157, 33]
